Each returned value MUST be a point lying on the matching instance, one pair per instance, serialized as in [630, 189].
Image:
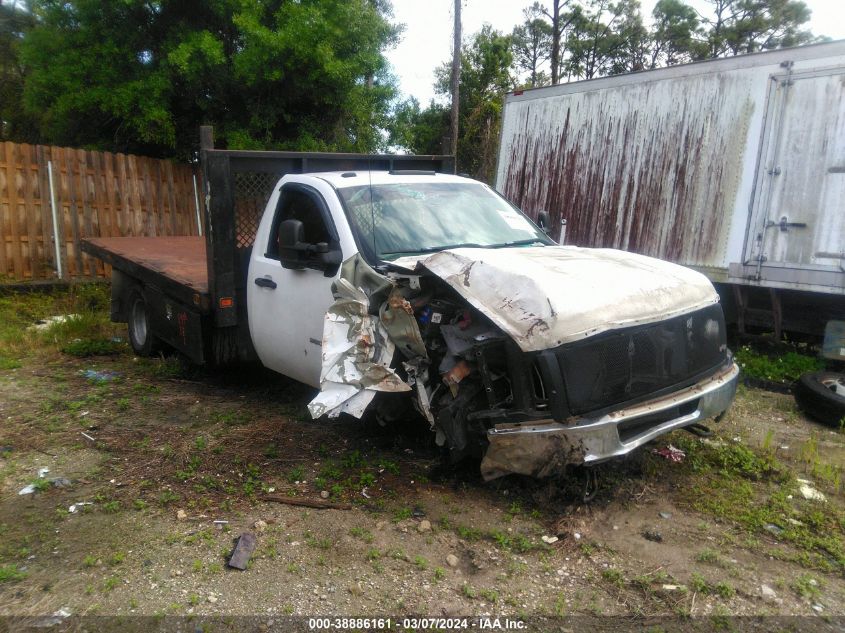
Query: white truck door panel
[287, 306]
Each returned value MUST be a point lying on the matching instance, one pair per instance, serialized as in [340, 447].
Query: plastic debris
[774, 529]
[808, 491]
[665, 515]
[364, 493]
[99, 377]
[86, 436]
[61, 482]
[78, 505]
[47, 323]
[548, 540]
[671, 453]
[27, 490]
[42, 472]
[653, 535]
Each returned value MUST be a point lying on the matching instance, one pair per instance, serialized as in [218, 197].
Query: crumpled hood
[543, 297]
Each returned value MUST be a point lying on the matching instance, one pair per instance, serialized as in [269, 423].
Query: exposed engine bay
[519, 390]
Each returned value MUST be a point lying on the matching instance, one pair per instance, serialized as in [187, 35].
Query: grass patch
[784, 368]
[11, 573]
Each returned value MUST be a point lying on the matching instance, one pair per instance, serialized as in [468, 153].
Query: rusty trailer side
[732, 166]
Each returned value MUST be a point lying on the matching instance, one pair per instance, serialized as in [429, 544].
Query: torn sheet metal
[355, 358]
[543, 297]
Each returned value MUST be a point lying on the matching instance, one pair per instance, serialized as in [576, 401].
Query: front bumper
[544, 448]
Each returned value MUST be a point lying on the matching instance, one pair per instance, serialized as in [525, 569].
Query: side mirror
[296, 253]
[291, 243]
[544, 221]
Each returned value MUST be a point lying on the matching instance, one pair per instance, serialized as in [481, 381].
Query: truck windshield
[394, 220]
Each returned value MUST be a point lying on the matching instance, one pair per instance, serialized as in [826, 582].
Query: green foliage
[11, 573]
[140, 77]
[783, 368]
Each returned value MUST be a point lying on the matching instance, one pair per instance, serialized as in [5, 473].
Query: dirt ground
[172, 464]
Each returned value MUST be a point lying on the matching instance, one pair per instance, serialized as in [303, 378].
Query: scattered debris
[42, 472]
[243, 550]
[653, 535]
[86, 436]
[774, 529]
[364, 493]
[324, 494]
[181, 515]
[212, 598]
[260, 526]
[671, 453]
[48, 322]
[665, 515]
[672, 587]
[452, 560]
[220, 522]
[808, 491]
[61, 482]
[549, 539]
[817, 608]
[99, 377]
[27, 490]
[307, 503]
[768, 593]
[424, 526]
[73, 509]
[577, 536]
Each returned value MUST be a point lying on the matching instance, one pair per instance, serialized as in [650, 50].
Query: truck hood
[543, 297]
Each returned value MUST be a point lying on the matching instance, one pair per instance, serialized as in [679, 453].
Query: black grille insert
[628, 364]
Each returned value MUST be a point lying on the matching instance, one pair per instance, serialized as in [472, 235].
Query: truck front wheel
[140, 335]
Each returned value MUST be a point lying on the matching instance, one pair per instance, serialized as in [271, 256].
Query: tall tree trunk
[456, 79]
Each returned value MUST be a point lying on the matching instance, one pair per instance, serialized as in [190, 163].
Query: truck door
[797, 232]
[287, 301]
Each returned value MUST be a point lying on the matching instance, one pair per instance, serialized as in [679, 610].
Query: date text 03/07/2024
[416, 624]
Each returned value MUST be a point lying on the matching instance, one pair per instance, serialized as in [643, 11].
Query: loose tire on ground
[821, 394]
[140, 335]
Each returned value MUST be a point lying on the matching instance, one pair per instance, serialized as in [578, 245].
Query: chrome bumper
[544, 448]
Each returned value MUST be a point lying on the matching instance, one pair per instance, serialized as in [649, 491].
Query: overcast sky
[427, 40]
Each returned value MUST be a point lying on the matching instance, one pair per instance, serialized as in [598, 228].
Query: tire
[821, 394]
[138, 319]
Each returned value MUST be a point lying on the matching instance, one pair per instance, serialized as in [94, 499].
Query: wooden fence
[97, 194]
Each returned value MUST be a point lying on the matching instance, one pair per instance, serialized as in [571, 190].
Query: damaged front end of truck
[533, 358]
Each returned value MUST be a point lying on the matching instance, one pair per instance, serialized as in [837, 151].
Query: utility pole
[456, 78]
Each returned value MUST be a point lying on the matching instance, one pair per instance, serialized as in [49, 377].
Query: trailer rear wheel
[140, 334]
[821, 394]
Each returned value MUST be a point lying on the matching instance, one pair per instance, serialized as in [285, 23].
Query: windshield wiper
[536, 240]
[434, 249]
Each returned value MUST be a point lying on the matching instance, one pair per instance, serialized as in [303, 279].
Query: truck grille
[626, 365]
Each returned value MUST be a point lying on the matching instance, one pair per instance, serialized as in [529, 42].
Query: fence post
[56, 236]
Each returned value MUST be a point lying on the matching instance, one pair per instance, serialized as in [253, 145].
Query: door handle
[265, 282]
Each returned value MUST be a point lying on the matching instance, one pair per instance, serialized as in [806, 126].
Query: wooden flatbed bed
[176, 265]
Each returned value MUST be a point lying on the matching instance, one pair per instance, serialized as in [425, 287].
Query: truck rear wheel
[138, 319]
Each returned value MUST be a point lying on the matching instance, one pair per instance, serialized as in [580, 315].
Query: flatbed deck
[176, 265]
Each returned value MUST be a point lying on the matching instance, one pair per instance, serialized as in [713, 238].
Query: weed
[784, 368]
[353, 460]
[489, 595]
[193, 600]
[166, 497]
[122, 404]
[698, 584]
[111, 506]
[296, 474]
[196, 566]
[402, 513]
[215, 568]
[468, 592]
[89, 561]
[366, 479]
[110, 583]
[117, 558]
[613, 576]
[439, 574]
[373, 554]
[271, 451]
[11, 573]
[724, 590]
[362, 533]
[421, 562]
[807, 587]
[140, 504]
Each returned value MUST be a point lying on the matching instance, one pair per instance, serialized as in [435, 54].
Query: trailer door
[797, 232]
